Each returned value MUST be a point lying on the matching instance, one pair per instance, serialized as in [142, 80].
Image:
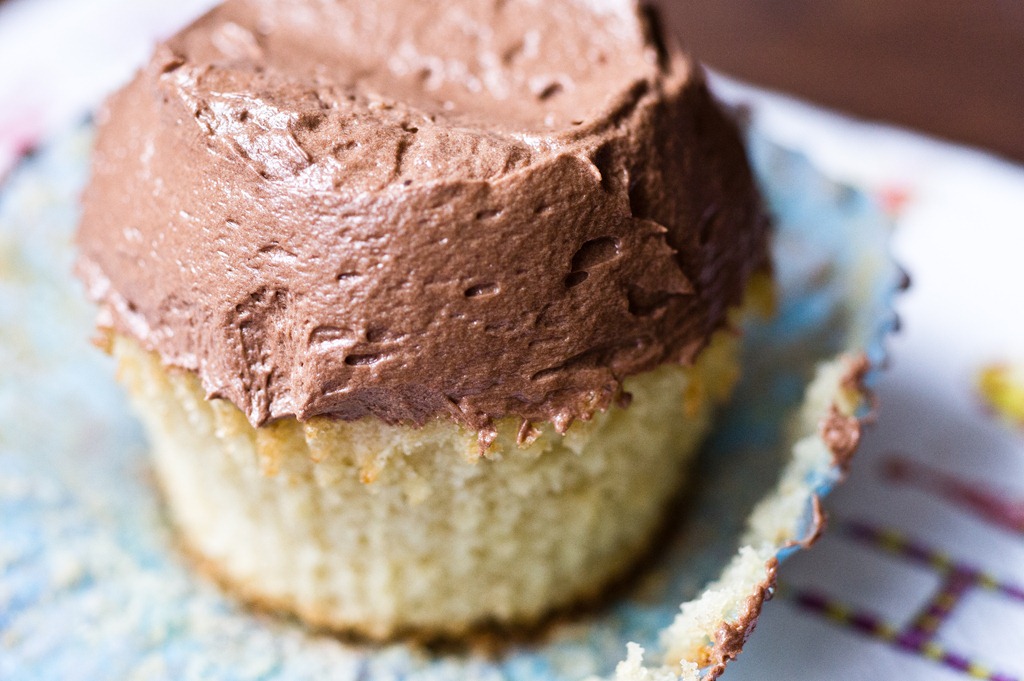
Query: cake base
[382, 530]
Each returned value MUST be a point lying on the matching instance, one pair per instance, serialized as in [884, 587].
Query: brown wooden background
[954, 68]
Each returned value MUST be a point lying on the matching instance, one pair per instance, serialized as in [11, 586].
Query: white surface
[961, 236]
[58, 57]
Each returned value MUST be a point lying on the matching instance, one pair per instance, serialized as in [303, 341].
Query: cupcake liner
[92, 586]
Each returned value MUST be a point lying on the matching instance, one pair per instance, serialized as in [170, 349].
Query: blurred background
[952, 68]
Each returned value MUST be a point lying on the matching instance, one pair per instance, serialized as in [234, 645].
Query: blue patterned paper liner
[92, 587]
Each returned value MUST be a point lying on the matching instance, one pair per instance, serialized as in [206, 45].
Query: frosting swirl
[408, 209]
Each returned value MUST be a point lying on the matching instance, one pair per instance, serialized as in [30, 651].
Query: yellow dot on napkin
[1002, 387]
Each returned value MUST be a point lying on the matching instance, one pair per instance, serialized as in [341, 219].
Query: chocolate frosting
[412, 209]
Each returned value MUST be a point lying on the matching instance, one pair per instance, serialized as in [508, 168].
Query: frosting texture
[405, 209]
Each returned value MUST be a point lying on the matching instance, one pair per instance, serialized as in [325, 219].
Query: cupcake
[425, 306]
